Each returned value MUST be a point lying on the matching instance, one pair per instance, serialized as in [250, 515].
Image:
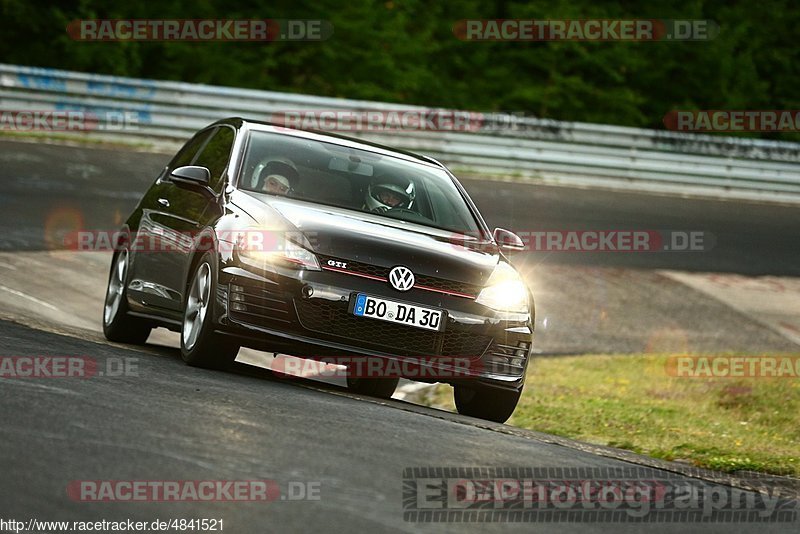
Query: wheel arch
[204, 242]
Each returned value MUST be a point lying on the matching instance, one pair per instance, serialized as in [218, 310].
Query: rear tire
[486, 403]
[383, 388]
[200, 345]
[117, 324]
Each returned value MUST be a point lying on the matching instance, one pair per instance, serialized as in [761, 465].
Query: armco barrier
[523, 149]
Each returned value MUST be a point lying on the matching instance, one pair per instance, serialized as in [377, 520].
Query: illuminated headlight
[505, 291]
[287, 253]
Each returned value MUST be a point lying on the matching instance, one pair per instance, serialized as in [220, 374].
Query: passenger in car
[278, 177]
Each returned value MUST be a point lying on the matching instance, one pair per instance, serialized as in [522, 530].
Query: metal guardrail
[504, 146]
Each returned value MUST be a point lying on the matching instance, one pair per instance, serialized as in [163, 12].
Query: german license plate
[398, 312]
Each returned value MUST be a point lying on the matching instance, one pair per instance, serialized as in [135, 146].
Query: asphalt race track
[164, 421]
[173, 422]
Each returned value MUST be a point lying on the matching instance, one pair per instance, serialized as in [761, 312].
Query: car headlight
[505, 291]
[285, 252]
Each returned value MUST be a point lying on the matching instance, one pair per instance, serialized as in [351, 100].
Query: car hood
[373, 239]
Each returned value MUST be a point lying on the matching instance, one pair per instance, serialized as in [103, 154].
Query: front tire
[117, 324]
[383, 388]
[200, 345]
[486, 403]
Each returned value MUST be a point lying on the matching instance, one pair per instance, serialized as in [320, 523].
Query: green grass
[630, 402]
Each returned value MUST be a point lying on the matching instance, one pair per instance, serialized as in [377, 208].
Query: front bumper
[305, 313]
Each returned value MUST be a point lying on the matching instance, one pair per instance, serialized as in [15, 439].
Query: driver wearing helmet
[386, 195]
[278, 177]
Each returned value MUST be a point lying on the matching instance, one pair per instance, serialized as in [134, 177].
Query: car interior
[340, 176]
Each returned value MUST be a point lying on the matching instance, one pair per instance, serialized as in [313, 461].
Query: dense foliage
[405, 51]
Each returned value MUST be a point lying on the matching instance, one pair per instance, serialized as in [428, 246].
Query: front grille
[334, 320]
[440, 284]
[507, 359]
[446, 285]
[257, 305]
[360, 268]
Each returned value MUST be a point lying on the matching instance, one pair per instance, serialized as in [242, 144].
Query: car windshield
[336, 175]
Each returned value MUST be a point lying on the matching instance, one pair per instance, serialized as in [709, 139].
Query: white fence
[504, 146]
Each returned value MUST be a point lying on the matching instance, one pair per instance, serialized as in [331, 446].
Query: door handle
[164, 202]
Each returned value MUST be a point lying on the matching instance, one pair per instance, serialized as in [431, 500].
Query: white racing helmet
[405, 194]
[283, 168]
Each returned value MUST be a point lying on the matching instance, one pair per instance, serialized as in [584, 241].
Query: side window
[215, 155]
[186, 154]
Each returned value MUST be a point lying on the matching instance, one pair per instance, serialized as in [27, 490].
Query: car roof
[343, 140]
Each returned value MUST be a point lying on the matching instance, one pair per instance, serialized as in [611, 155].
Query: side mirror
[508, 241]
[191, 173]
[194, 178]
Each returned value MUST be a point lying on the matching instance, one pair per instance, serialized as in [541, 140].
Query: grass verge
[631, 402]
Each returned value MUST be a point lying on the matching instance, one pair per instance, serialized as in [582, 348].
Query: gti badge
[401, 278]
[338, 264]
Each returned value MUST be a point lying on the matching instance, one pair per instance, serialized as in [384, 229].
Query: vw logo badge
[401, 278]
